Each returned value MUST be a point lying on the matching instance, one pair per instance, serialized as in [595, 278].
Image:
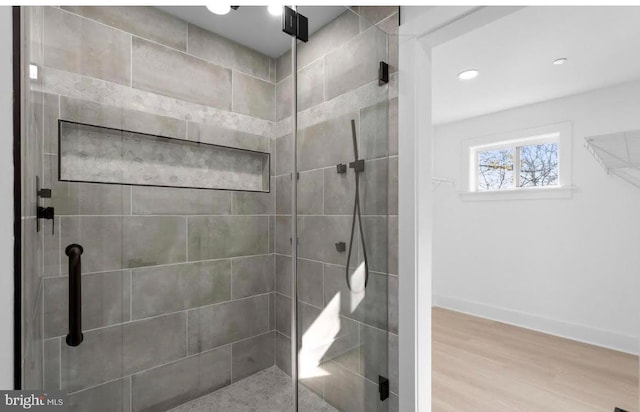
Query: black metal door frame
[17, 202]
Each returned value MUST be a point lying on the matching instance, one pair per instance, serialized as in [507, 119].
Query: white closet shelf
[618, 153]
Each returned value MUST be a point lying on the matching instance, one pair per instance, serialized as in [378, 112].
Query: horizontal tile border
[363, 96]
[77, 86]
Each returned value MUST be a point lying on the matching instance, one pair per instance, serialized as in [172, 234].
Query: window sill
[561, 192]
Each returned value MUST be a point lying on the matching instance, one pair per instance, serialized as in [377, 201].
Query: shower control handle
[357, 165]
[47, 213]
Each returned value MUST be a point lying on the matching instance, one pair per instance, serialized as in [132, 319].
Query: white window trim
[558, 132]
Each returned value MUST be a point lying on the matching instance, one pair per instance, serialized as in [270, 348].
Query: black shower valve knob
[47, 213]
[341, 246]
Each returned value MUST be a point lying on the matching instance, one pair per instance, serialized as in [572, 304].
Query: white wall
[567, 266]
[6, 204]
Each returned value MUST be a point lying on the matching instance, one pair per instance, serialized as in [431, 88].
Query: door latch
[47, 213]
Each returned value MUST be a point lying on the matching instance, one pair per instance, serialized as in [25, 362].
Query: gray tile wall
[178, 284]
[164, 244]
[347, 338]
[151, 50]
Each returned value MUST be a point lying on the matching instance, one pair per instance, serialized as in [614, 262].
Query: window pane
[539, 165]
[495, 169]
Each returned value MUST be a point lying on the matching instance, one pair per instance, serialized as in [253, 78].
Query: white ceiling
[253, 26]
[514, 56]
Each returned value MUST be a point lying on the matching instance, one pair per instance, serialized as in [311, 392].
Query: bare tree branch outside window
[539, 165]
[495, 169]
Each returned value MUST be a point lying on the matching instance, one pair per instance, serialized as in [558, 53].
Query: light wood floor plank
[481, 365]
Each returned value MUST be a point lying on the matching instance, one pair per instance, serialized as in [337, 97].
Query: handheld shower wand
[358, 166]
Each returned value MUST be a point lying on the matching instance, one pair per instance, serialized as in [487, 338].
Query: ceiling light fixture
[468, 74]
[219, 9]
[275, 10]
[560, 61]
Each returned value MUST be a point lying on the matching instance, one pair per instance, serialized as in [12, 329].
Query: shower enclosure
[192, 232]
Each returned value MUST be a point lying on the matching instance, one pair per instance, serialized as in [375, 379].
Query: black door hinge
[295, 24]
[383, 387]
[383, 74]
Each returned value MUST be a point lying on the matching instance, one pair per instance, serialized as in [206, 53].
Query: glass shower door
[188, 290]
[344, 169]
[88, 321]
[163, 180]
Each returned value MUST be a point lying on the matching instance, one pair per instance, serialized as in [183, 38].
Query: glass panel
[539, 165]
[495, 169]
[32, 253]
[178, 294]
[343, 268]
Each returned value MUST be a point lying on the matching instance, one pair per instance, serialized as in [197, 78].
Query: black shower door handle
[74, 252]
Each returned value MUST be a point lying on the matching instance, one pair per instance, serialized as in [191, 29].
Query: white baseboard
[574, 331]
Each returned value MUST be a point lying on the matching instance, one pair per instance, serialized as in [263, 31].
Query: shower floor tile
[265, 391]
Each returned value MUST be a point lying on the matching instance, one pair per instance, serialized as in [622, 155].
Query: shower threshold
[266, 391]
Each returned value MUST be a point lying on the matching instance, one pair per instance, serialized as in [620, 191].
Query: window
[517, 166]
[528, 160]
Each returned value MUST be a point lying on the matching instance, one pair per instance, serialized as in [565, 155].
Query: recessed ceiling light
[275, 10]
[559, 61]
[468, 74]
[219, 9]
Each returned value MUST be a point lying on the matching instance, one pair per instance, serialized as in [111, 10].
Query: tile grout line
[186, 333]
[231, 75]
[231, 363]
[60, 363]
[324, 80]
[186, 38]
[324, 192]
[131, 61]
[186, 236]
[164, 265]
[174, 313]
[360, 368]
[130, 294]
